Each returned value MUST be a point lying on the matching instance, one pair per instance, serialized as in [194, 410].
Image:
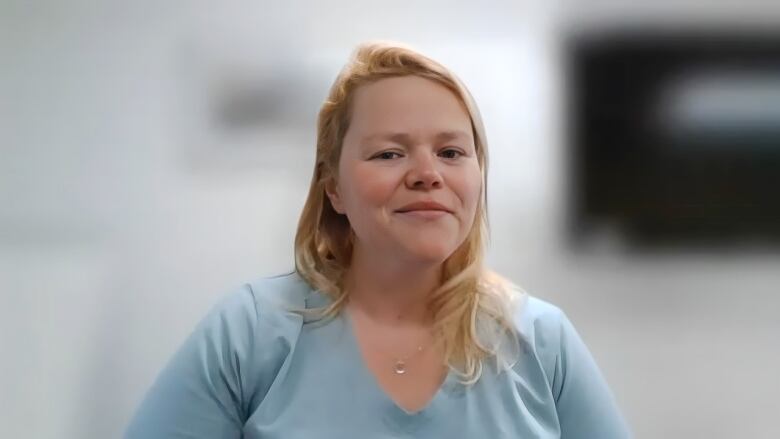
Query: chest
[331, 387]
[410, 380]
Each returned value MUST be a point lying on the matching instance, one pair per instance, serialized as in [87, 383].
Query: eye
[386, 155]
[451, 153]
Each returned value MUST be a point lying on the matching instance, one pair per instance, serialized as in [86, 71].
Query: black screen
[674, 139]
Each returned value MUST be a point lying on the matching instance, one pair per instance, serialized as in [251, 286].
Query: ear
[331, 190]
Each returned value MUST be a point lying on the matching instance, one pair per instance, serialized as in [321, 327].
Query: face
[408, 179]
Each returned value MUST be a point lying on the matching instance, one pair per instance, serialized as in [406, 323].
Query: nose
[423, 173]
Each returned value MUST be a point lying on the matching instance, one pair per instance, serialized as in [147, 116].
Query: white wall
[123, 217]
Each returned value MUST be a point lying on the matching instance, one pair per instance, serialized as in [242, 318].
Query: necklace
[400, 364]
[399, 367]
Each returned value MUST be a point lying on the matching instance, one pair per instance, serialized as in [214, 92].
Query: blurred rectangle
[674, 138]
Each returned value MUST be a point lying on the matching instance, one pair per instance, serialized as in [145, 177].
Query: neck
[391, 292]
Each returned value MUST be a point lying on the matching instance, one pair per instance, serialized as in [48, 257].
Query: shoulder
[536, 318]
[584, 403]
[220, 373]
[545, 332]
[258, 305]
[281, 292]
[255, 324]
[269, 294]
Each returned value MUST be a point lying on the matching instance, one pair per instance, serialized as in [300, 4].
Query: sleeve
[585, 405]
[202, 391]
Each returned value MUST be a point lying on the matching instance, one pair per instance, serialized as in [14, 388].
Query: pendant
[400, 367]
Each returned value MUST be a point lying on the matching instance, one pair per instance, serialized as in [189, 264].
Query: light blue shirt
[253, 369]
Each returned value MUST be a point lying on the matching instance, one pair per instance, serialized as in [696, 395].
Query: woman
[390, 326]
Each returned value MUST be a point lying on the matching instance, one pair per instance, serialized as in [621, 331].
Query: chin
[431, 254]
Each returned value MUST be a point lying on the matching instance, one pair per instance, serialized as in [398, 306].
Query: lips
[423, 206]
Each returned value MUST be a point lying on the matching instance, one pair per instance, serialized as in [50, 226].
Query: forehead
[408, 104]
[401, 137]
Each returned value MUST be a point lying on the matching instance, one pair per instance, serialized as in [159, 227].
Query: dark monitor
[674, 138]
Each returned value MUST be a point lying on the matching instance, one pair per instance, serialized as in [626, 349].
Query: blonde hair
[472, 307]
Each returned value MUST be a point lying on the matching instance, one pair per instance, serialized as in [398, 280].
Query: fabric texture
[254, 369]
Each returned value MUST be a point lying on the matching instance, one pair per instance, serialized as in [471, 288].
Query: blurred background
[156, 155]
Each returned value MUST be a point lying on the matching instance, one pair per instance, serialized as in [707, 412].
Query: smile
[424, 214]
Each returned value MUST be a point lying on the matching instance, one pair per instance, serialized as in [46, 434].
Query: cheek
[369, 189]
[470, 189]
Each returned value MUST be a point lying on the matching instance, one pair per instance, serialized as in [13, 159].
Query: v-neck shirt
[255, 369]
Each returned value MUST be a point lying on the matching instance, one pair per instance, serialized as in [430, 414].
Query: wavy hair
[472, 308]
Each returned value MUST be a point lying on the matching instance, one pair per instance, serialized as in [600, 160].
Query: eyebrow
[405, 138]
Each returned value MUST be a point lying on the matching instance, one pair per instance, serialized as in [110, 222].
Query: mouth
[424, 214]
[424, 206]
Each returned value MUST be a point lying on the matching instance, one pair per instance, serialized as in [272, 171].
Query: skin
[397, 257]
